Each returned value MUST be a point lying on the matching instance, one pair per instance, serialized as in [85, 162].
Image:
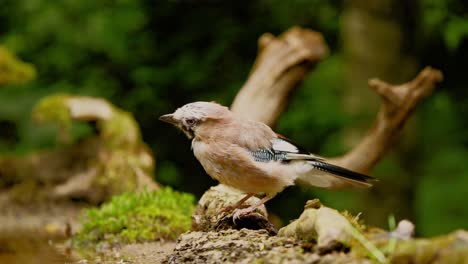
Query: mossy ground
[137, 217]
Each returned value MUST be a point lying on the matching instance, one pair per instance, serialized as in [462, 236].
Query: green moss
[120, 131]
[53, 108]
[120, 172]
[136, 217]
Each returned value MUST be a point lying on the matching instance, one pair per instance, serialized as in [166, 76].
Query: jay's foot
[228, 208]
[238, 204]
[241, 212]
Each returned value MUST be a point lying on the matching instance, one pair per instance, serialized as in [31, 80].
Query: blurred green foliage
[13, 70]
[145, 216]
[448, 19]
[149, 57]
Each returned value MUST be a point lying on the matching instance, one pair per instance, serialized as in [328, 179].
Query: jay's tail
[326, 175]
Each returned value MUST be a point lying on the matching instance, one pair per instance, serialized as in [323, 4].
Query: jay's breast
[234, 167]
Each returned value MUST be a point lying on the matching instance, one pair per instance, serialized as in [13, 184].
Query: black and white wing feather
[342, 177]
[267, 155]
[283, 150]
[321, 173]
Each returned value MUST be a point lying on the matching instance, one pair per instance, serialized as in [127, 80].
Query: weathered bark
[209, 215]
[282, 63]
[330, 229]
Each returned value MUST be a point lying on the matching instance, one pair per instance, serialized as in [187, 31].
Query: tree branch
[398, 102]
[282, 63]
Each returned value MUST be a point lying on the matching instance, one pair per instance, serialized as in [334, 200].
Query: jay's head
[190, 118]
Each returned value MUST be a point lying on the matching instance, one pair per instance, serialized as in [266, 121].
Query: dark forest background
[150, 57]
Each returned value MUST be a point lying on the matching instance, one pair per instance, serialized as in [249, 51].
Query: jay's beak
[169, 118]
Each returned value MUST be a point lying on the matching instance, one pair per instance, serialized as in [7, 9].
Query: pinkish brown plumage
[251, 157]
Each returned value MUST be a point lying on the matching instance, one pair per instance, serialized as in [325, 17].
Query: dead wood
[284, 61]
[398, 103]
[281, 65]
[94, 168]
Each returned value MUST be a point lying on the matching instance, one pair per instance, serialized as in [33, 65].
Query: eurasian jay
[251, 157]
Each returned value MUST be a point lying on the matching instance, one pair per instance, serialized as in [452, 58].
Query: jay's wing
[282, 149]
[321, 174]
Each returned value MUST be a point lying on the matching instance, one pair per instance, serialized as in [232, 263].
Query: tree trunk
[377, 38]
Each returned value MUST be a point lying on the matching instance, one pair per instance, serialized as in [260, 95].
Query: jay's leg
[239, 212]
[238, 204]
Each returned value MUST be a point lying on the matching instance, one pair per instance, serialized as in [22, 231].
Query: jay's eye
[190, 121]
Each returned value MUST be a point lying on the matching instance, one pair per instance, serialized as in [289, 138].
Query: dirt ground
[141, 253]
[29, 231]
[39, 233]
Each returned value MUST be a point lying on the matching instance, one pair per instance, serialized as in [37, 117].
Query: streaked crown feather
[200, 110]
